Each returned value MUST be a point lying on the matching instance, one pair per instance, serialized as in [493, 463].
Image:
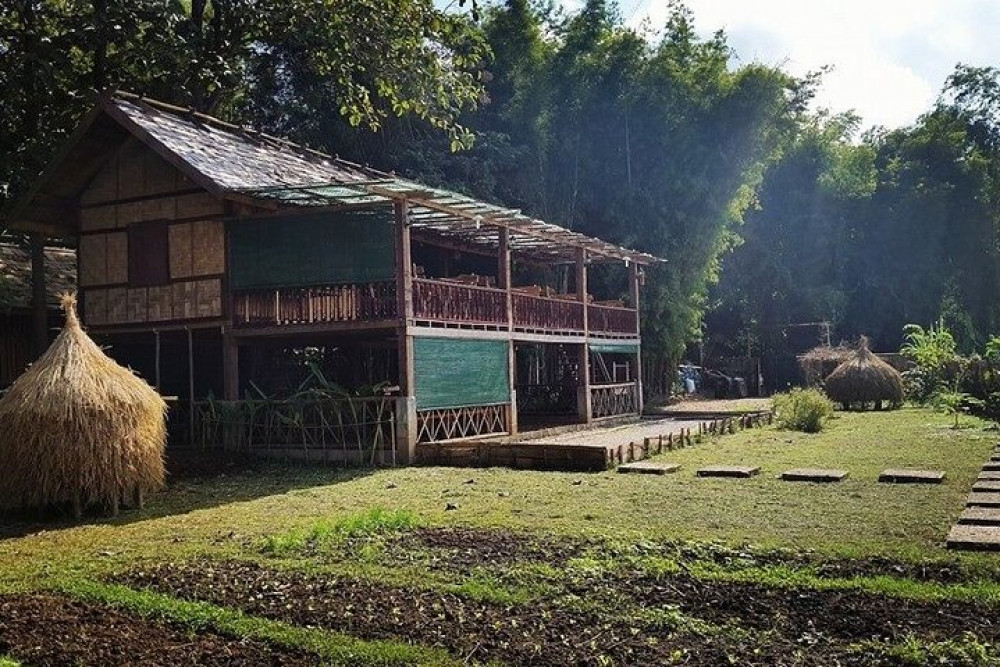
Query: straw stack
[79, 429]
[865, 380]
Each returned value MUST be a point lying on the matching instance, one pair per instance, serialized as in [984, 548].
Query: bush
[802, 410]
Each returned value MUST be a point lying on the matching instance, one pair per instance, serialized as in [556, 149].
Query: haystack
[79, 429]
[819, 362]
[865, 380]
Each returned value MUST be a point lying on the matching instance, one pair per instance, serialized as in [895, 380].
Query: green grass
[376, 521]
[289, 515]
[334, 648]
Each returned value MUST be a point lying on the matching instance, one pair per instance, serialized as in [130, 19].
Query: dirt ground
[51, 630]
[633, 617]
[705, 405]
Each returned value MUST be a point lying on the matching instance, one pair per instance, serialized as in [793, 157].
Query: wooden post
[156, 336]
[584, 405]
[634, 278]
[39, 307]
[504, 281]
[406, 411]
[230, 367]
[190, 341]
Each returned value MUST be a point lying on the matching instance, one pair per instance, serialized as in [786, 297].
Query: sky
[889, 57]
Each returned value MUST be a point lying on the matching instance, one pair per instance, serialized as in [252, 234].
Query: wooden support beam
[406, 410]
[230, 367]
[634, 279]
[190, 342]
[39, 307]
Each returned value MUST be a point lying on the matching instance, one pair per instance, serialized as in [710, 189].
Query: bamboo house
[213, 258]
[78, 429]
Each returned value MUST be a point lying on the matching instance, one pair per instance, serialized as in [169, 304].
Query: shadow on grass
[196, 480]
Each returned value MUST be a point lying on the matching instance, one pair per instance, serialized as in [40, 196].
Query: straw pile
[79, 429]
[819, 362]
[865, 380]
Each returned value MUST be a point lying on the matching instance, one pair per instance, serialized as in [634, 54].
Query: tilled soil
[54, 630]
[464, 549]
[789, 627]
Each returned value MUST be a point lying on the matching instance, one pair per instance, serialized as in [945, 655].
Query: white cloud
[889, 57]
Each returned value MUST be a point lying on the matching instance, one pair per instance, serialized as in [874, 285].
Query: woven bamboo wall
[137, 186]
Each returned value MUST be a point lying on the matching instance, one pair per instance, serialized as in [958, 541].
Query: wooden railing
[609, 319]
[611, 400]
[454, 302]
[315, 305]
[536, 312]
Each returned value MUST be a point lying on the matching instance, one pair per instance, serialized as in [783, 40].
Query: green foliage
[376, 521]
[965, 651]
[803, 410]
[953, 402]
[8, 662]
[932, 350]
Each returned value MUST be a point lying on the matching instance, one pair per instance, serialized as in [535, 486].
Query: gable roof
[239, 164]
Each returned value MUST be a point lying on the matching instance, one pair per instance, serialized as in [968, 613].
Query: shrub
[802, 410]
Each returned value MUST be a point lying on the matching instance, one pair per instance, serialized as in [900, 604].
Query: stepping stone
[979, 538]
[649, 468]
[982, 499]
[995, 458]
[813, 475]
[910, 476]
[989, 475]
[988, 485]
[981, 516]
[991, 466]
[728, 471]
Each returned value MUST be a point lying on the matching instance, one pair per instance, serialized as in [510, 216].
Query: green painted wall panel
[454, 373]
[620, 348]
[315, 249]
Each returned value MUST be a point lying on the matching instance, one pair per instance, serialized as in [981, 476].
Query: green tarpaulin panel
[315, 249]
[618, 348]
[454, 373]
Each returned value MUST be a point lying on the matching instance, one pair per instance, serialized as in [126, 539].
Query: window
[148, 254]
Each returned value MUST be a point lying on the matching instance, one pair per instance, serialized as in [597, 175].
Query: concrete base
[728, 471]
[978, 538]
[981, 499]
[814, 475]
[910, 476]
[980, 516]
[649, 468]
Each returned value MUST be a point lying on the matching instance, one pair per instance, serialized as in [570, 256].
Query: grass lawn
[298, 519]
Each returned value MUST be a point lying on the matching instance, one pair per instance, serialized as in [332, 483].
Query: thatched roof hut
[865, 380]
[78, 428]
[819, 362]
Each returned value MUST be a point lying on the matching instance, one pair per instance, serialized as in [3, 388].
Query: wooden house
[207, 250]
[18, 347]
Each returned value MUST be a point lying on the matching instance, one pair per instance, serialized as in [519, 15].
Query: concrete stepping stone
[728, 471]
[911, 476]
[989, 475]
[983, 499]
[995, 458]
[987, 485]
[980, 516]
[814, 475]
[979, 538]
[991, 466]
[649, 468]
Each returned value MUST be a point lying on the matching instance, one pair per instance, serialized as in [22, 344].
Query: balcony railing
[435, 301]
[610, 319]
[360, 302]
[541, 313]
[453, 302]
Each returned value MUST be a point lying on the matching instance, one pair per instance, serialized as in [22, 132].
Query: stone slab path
[649, 468]
[978, 527]
[981, 516]
[911, 476]
[728, 471]
[978, 538]
[814, 475]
